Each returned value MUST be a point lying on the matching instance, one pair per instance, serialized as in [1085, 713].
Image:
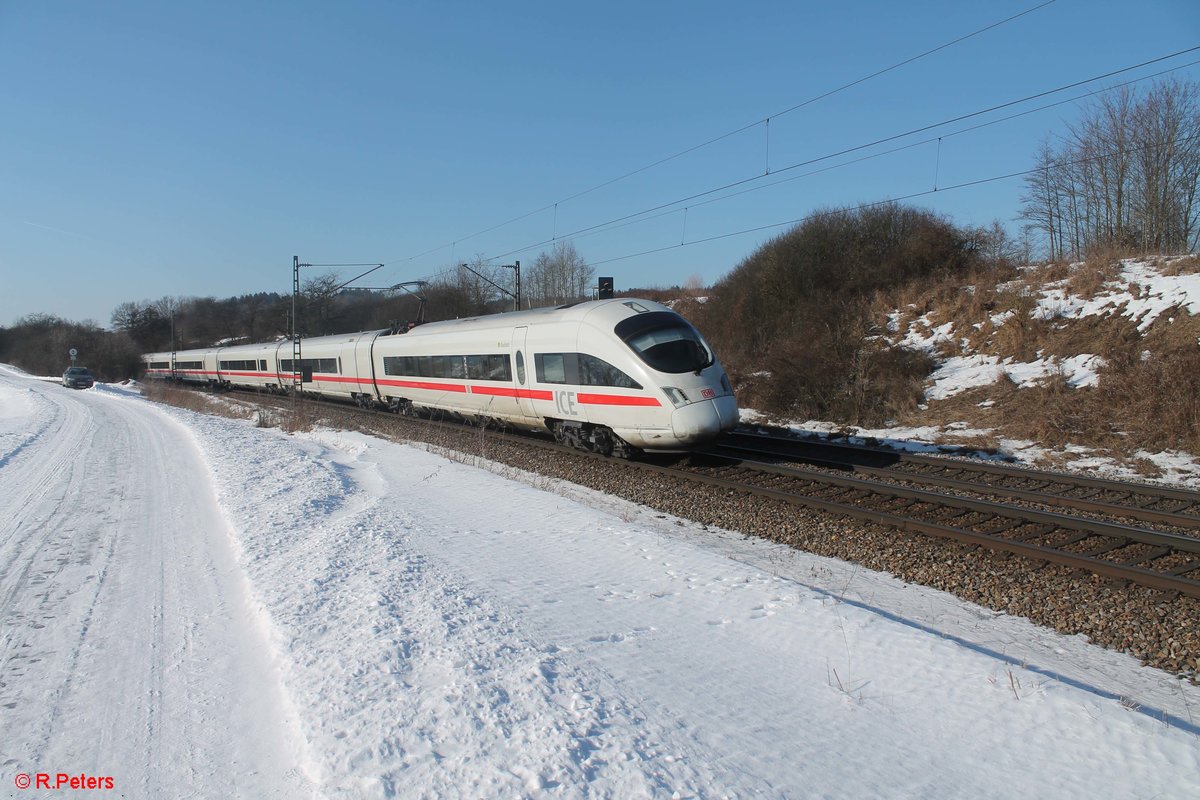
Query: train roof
[602, 313]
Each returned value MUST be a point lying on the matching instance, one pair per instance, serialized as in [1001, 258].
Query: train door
[522, 371]
[364, 365]
[281, 351]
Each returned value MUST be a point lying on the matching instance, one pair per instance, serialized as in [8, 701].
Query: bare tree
[320, 300]
[1043, 200]
[482, 285]
[559, 276]
[126, 316]
[995, 245]
[1126, 177]
[167, 305]
[1168, 149]
[144, 323]
[254, 308]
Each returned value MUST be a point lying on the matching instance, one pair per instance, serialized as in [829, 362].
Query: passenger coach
[608, 375]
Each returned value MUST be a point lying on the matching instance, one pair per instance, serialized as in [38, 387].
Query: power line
[641, 217]
[913, 195]
[736, 131]
[808, 162]
[649, 216]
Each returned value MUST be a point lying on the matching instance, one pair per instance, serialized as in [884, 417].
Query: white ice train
[609, 376]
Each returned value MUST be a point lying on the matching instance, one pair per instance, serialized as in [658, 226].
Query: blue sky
[192, 148]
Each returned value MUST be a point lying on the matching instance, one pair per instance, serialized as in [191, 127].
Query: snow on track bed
[443, 631]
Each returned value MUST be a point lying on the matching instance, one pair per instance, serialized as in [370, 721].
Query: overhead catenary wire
[736, 131]
[911, 196]
[636, 216]
[669, 209]
[921, 142]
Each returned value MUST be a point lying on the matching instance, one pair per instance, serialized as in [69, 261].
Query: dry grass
[1148, 396]
[300, 415]
[1149, 402]
[1089, 278]
[1048, 273]
[192, 399]
[1188, 265]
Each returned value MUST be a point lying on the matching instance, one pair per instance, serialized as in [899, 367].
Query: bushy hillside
[892, 323]
[1089, 361]
[1092, 366]
[795, 323]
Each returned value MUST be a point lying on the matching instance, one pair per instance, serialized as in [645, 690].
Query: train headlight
[677, 396]
[725, 384]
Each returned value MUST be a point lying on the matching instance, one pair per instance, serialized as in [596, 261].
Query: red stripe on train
[495, 391]
[507, 391]
[615, 400]
[434, 387]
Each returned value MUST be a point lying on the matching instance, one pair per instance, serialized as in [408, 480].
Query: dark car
[78, 378]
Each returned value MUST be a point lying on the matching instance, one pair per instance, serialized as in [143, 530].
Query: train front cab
[637, 370]
[687, 372]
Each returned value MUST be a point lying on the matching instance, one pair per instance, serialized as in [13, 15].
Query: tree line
[1124, 178]
[39, 343]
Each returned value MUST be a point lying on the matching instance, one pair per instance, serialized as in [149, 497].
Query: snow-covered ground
[1176, 468]
[197, 607]
[1142, 293]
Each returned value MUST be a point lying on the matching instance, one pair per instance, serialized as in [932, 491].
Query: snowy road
[198, 607]
[129, 648]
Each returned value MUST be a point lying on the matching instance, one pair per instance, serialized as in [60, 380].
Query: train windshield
[665, 342]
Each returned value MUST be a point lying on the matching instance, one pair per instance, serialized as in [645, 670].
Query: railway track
[1162, 560]
[1098, 535]
[1163, 505]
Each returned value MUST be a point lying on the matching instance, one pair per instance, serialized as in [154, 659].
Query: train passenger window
[580, 369]
[551, 367]
[597, 372]
[485, 367]
[494, 367]
[455, 366]
[329, 366]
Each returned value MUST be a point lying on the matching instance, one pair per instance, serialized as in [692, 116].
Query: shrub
[800, 309]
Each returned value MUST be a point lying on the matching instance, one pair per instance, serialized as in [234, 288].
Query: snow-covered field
[1142, 293]
[196, 607]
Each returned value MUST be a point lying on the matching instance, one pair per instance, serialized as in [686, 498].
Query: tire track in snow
[131, 647]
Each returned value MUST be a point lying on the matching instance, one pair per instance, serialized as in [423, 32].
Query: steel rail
[1082, 524]
[1146, 577]
[766, 446]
